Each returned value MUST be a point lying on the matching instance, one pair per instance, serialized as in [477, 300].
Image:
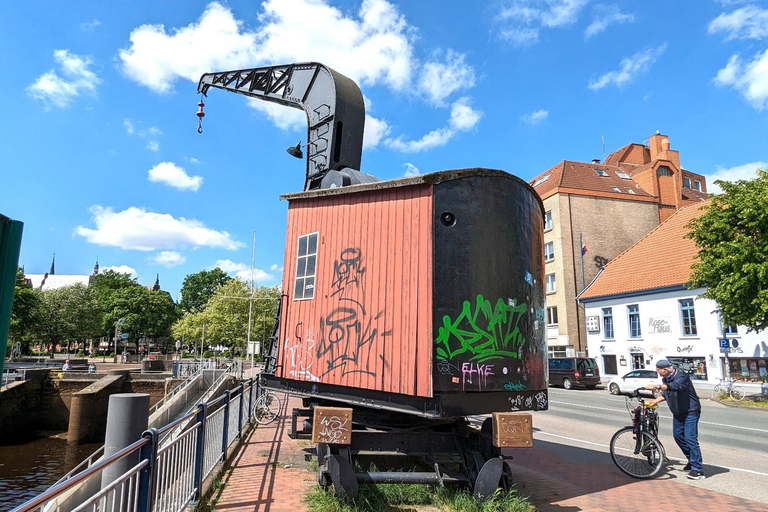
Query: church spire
[156, 287]
[96, 266]
[53, 265]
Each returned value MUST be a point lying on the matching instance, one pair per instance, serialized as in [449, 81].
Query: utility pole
[250, 303]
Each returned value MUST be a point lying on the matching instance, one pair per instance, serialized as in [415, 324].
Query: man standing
[684, 404]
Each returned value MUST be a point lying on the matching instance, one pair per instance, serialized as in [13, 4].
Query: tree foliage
[25, 312]
[143, 312]
[67, 315]
[198, 288]
[732, 237]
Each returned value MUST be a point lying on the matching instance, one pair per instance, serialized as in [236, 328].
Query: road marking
[660, 416]
[677, 460]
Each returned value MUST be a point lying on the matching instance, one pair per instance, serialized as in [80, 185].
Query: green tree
[24, 315]
[106, 286]
[67, 315]
[145, 313]
[198, 288]
[732, 236]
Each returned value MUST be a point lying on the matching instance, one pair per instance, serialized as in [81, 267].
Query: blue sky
[101, 156]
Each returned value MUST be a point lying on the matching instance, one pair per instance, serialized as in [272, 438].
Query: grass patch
[393, 497]
[755, 401]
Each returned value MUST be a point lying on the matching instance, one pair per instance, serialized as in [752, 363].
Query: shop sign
[659, 325]
[593, 324]
[635, 349]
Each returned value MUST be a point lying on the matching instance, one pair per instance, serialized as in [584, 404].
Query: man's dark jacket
[681, 395]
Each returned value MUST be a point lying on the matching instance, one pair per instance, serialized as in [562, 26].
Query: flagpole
[581, 252]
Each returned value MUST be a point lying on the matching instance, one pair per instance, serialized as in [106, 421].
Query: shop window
[549, 251]
[552, 315]
[633, 314]
[306, 261]
[696, 367]
[548, 221]
[551, 288]
[687, 317]
[608, 323]
[609, 365]
[749, 370]
[638, 361]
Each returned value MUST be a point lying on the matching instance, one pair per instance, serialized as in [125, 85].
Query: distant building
[638, 311]
[595, 211]
[52, 281]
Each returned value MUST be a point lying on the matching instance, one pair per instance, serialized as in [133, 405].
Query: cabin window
[306, 264]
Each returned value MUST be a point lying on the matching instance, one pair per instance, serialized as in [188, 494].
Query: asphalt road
[734, 441]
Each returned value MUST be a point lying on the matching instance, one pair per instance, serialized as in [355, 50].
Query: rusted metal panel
[513, 430]
[369, 324]
[332, 425]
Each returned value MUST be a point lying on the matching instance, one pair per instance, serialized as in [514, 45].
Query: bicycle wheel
[266, 408]
[642, 459]
[737, 393]
[716, 392]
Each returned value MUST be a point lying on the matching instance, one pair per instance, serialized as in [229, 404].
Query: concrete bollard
[127, 419]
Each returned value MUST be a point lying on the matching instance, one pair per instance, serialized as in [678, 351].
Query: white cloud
[375, 130]
[78, 78]
[171, 174]
[138, 229]
[630, 67]
[90, 25]
[521, 20]
[749, 22]
[193, 160]
[153, 145]
[410, 170]
[121, 269]
[128, 126]
[463, 118]
[242, 271]
[438, 80]
[276, 268]
[287, 119]
[169, 259]
[535, 117]
[605, 15]
[750, 79]
[733, 174]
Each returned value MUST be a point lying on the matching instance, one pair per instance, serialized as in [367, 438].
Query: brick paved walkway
[271, 474]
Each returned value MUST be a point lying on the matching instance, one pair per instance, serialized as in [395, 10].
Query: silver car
[633, 380]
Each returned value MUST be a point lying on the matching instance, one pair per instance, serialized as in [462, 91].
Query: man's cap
[663, 363]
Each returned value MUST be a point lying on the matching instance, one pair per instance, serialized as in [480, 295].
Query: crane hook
[200, 116]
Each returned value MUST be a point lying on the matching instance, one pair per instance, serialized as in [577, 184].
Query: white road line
[660, 415]
[540, 432]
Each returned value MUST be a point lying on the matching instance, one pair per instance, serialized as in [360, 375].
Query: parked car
[633, 380]
[574, 371]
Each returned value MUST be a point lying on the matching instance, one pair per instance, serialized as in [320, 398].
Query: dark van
[574, 371]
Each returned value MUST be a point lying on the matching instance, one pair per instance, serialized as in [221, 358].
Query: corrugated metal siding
[370, 323]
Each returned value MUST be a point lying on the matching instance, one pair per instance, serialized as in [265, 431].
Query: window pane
[312, 244]
[311, 266]
[301, 267]
[634, 321]
[609, 365]
[688, 317]
[548, 220]
[549, 251]
[550, 283]
[309, 288]
[298, 291]
[303, 245]
[608, 323]
[552, 315]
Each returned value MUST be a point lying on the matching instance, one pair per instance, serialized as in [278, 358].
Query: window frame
[697, 185]
[687, 316]
[554, 283]
[686, 182]
[548, 220]
[552, 254]
[309, 256]
[550, 310]
[608, 324]
[633, 326]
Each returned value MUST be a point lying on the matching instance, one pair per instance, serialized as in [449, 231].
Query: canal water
[28, 469]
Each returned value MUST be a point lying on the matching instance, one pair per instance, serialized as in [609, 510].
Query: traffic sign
[125, 335]
[734, 343]
[725, 343]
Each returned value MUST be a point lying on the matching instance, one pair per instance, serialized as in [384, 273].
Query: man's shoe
[696, 475]
[687, 467]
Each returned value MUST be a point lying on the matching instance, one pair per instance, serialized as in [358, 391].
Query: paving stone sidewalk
[271, 474]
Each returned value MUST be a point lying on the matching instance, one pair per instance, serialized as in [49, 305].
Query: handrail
[88, 460]
[183, 386]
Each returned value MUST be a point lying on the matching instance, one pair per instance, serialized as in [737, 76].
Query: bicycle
[266, 408]
[729, 390]
[636, 450]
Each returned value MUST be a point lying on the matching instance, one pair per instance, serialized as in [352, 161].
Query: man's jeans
[686, 432]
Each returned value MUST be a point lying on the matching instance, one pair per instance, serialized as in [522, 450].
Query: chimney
[596, 161]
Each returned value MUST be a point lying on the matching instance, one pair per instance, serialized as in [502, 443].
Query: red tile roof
[583, 176]
[660, 259]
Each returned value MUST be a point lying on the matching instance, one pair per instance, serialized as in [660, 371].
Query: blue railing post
[240, 412]
[175, 369]
[224, 438]
[250, 398]
[146, 490]
[200, 450]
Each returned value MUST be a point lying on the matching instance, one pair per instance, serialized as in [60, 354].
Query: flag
[583, 250]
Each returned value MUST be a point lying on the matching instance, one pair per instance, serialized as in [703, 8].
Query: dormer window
[687, 182]
[601, 172]
[616, 189]
[629, 190]
[697, 185]
[623, 175]
[663, 170]
[542, 180]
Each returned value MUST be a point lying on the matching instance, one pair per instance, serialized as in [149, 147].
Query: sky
[101, 158]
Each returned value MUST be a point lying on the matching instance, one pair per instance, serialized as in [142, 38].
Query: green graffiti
[486, 332]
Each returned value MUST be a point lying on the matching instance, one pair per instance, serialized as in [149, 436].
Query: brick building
[595, 211]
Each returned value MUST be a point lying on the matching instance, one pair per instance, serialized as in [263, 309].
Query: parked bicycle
[266, 408]
[636, 450]
[726, 388]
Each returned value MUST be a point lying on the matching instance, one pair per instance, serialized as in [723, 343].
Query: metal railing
[11, 375]
[183, 369]
[178, 389]
[167, 478]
